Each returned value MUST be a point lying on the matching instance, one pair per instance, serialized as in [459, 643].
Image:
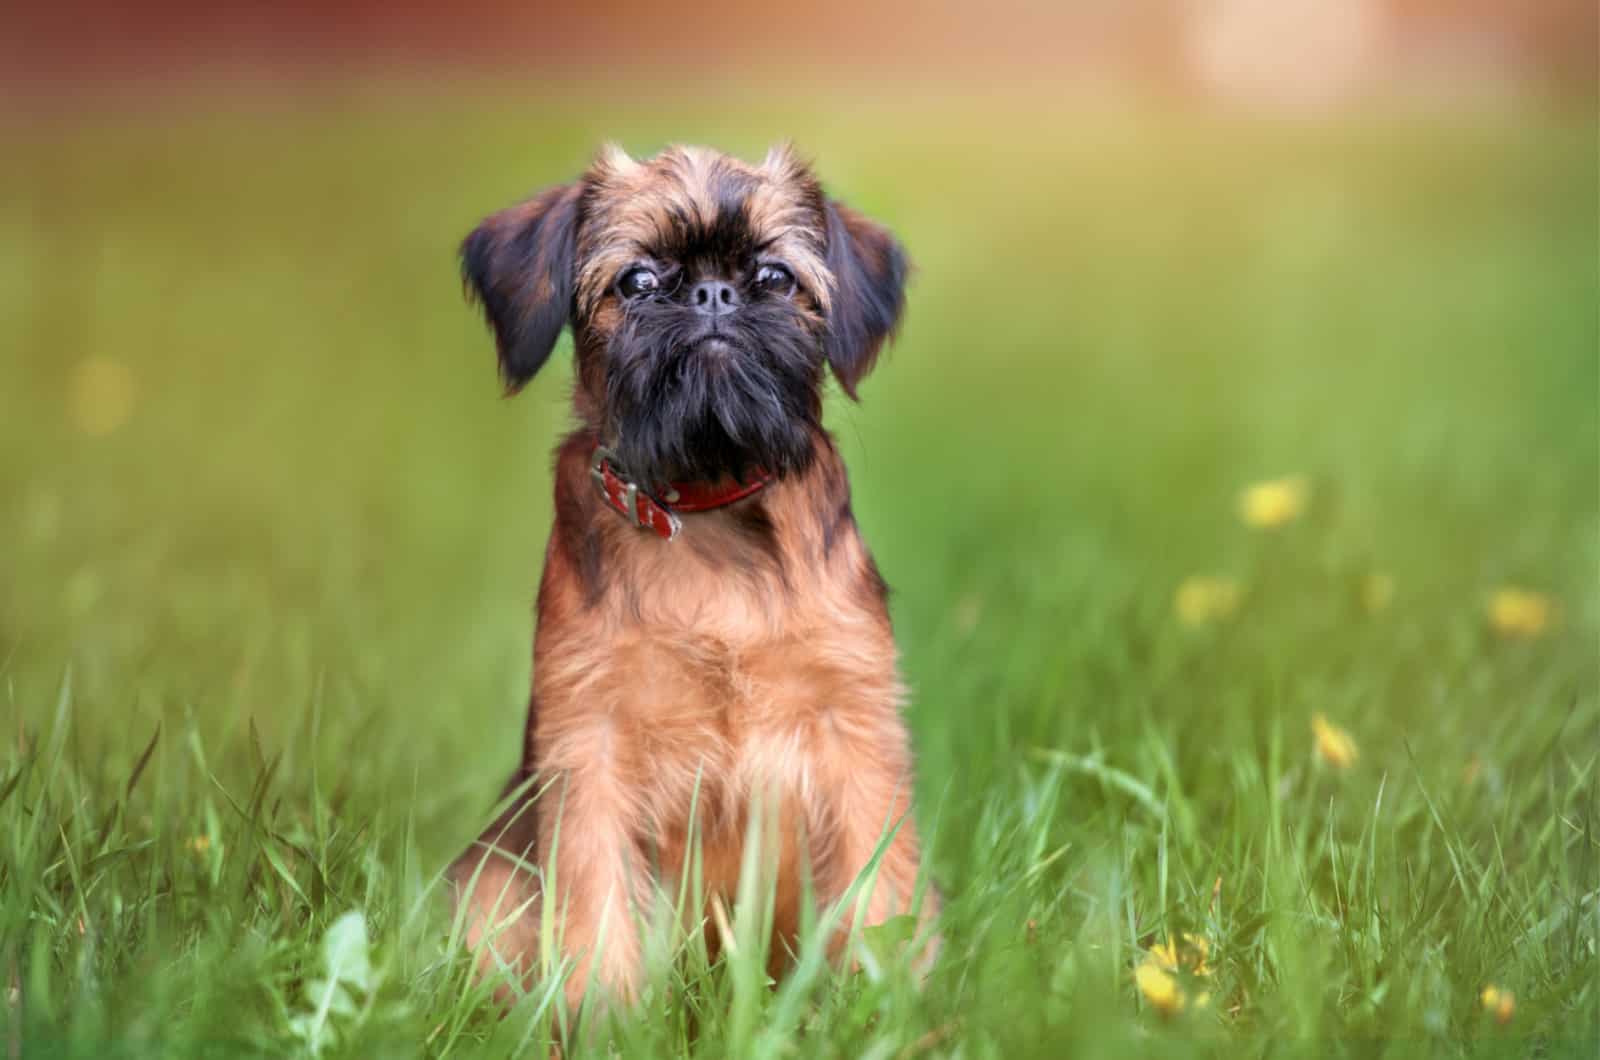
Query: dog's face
[705, 297]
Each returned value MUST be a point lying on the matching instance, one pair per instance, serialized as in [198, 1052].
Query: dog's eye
[775, 279]
[638, 281]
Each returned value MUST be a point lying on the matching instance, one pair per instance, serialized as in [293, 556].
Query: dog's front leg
[871, 808]
[600, 880]
[858, 778]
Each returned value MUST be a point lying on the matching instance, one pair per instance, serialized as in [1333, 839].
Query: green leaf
[347, 975]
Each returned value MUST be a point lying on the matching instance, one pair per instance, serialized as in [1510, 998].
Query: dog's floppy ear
[869, 271]
[519, 264]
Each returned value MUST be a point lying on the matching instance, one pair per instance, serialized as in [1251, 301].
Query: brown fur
[749, 662]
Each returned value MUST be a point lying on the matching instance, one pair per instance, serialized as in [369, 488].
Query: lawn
[269, 539]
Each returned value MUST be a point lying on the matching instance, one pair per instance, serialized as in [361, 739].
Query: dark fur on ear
[519, 264]
[869, 269]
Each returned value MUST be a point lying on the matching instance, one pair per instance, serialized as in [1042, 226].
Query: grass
[269, 538]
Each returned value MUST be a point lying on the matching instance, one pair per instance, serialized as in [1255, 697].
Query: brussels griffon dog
[712, 633]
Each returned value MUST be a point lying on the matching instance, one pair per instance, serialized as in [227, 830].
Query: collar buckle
[622, 494]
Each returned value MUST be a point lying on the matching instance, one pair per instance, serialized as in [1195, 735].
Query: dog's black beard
[685, 401]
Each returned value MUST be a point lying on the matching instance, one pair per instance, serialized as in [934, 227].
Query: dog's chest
[715, 686]
[703, 692]
[720, 722]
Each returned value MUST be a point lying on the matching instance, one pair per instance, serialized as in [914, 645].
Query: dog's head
[705, 296]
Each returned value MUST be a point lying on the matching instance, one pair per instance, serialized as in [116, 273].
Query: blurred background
[255, 469]
[1286, 55]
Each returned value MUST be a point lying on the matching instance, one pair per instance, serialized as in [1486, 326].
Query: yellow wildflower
[1501, 1004]
[1158, 974]
[1189, 951]
[100, 396]
[1159, 987]
[199, 844]
[1377, 592]
[1519, 613]
[1334, 745]
[1204, 598]
[1271, 504]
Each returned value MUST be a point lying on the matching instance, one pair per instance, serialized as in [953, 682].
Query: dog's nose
[714, 298]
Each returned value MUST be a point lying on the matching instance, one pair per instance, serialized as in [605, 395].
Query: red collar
[627, 498]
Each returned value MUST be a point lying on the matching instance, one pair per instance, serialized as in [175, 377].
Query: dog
[712, 633]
